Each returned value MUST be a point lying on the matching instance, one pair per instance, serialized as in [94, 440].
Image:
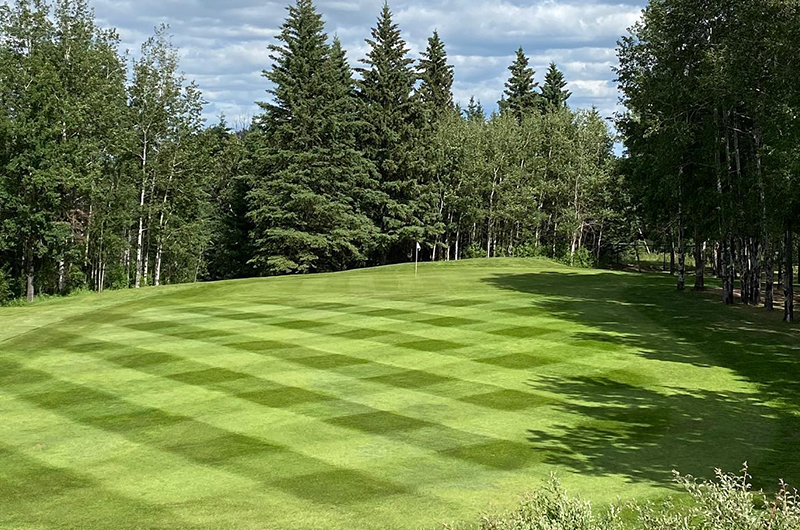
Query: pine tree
[554, 94]
[392, 122]
[520, 97]
[436, 88]
[303, 196]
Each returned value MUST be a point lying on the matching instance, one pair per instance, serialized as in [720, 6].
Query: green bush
[6, 291]
[553, 509]
[726, 503]
[584, 258]
[473, 251]
[529, 250]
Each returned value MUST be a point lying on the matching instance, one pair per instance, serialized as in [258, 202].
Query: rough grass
[373, 399]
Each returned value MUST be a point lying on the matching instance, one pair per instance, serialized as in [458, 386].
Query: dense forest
[110, 177]
[712, 138]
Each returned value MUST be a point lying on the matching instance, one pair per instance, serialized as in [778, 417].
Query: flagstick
[416, 259]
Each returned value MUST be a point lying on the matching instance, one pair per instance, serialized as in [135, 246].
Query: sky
[223, 43]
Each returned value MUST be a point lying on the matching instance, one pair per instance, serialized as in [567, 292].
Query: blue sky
[224, 42]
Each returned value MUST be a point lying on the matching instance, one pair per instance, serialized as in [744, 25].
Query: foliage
[554, 94]
[306, 201]
[520, 97]
[727, 503]
[393, 122]
[6, 288]
[110, 178]
[711, 93]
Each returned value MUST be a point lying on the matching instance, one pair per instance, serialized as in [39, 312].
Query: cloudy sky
[224, 42]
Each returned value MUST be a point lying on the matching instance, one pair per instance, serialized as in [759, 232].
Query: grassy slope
[372, 399]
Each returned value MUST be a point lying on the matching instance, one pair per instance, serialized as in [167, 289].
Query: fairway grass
[373, 399]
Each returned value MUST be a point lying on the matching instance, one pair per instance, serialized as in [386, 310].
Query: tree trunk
[572, 249]
[681, 253]
[88, 236]
[769, 287]
[757, 274]
[729, 273]
[146, 270]
[788, 280]
[140, 238]
[744, 291]
[157, 268]
[599, 243]
[699, 263]
[672, 255]
[61, 275]
[30, 273]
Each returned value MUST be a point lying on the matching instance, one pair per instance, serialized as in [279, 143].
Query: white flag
[418, 247]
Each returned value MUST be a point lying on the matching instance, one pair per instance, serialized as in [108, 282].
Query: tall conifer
[520, 97]
[554, 93]
[392, 118]
[436, 76]
[308, 168]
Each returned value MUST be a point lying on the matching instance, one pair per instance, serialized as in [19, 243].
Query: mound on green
[374, 399]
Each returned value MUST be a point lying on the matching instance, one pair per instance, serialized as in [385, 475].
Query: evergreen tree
[390, 137]
[436, 87]
[229, 249]
[520, 97]
[302, 201]
[554, 93]
[475, 112]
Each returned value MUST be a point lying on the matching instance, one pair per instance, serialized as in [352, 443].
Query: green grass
[373, 399]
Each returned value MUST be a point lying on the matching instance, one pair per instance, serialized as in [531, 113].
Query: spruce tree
[392, 119]
[436, 76]
[554, 93]
[307, 168]
[475, 112]
[520, 97]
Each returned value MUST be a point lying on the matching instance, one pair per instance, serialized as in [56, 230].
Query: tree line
[712, 136]
[109, 177]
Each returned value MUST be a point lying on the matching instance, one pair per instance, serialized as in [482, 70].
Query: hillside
[374, 399]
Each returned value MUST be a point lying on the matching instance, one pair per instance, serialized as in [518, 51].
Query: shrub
[473, 251]
[529, 250]
[726, 503]
[553, 509]
[6, 291]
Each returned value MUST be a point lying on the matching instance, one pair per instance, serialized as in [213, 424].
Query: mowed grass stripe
[271, 393]
[373, 399]
[274, 395]
[195, 441]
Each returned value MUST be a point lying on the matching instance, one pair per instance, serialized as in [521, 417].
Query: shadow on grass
[629, 425]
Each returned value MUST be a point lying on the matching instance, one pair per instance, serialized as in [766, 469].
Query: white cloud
[224, 42]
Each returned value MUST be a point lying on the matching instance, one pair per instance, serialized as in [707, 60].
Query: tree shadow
[629, 425]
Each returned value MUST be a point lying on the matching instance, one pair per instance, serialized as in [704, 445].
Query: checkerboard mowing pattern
[369, 399]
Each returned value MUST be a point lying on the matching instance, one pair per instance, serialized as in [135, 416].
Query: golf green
[377, 399]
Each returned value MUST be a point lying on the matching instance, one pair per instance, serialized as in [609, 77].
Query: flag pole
[416, 259]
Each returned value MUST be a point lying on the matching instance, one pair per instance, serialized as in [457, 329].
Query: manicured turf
[371, 399]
